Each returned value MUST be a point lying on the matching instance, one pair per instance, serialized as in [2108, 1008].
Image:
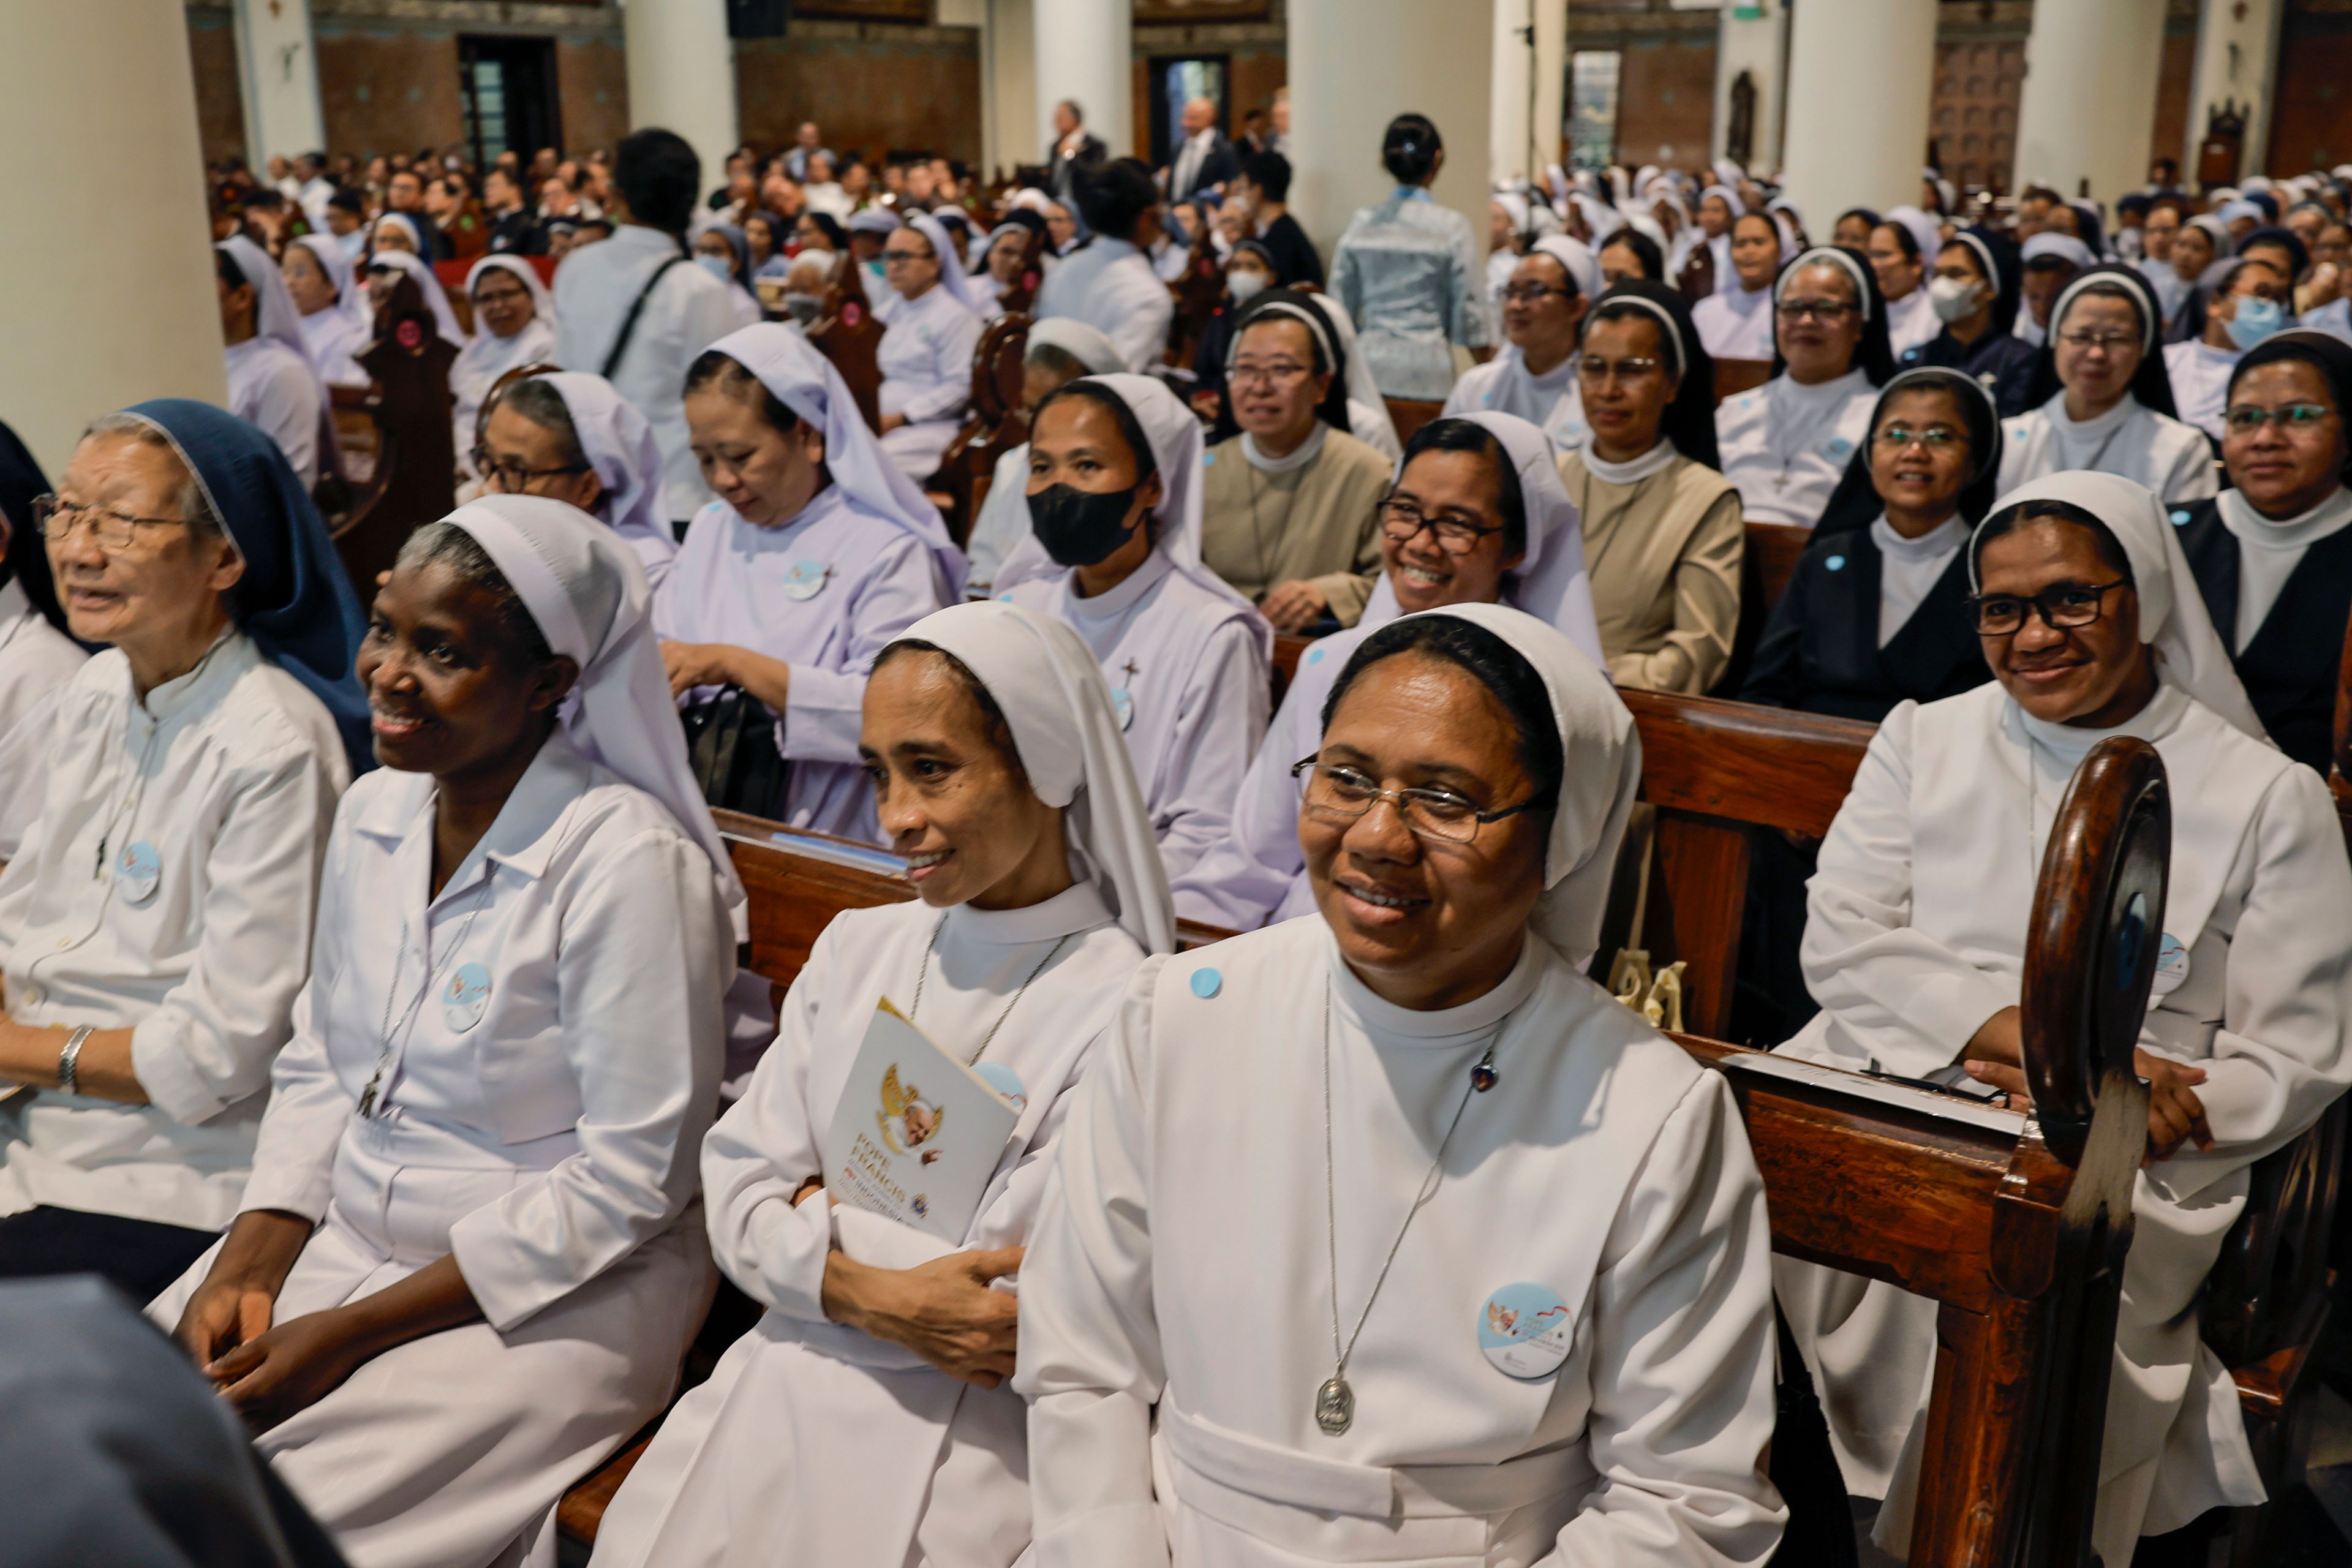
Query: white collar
[1116, 601]
[1660, 456]
[2259, 532]
[2098, 425]
[1439, 1027]
[1306, 452]
[1077, 908]
[2152, 723]
[1837, 389]
[1942, 540]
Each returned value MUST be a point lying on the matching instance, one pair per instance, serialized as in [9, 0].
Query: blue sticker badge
[1526, 1331]
[1208, 459]
[1835, 564]
[2171, 964]
[1839, 447]
[1314, 656]
[466, 997]
[1123, 704]
[1003, 598]
[2179, 516]
[1005, 1082]
[806, 580]
[1207, 983]
[137, 870]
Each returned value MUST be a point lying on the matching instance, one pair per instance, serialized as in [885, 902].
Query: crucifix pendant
[1334, 1405]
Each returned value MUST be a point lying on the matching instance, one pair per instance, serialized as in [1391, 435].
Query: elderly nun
[1115, 483]
[1539, 1325]
[318, 280]
[1476, 514]
[926, 356]
[517, 318]
[37, 653]
[1787, 444]
[1915, 946]
[468, 1260]
[1542, 302]
[868, 1418]
[1060, 349]
[155, 919]
[2106, 400]
[272, 384]
[569, 435]
[2273, 553]
[816, 552]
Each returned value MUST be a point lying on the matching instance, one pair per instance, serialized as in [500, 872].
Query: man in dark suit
[1204, 159]
[514, 227]
[1072, 145]
[1264, 183]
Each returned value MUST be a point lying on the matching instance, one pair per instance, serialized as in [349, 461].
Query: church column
[682, 77]
[1008, 86]
[278, 80]
[2236, 68]
[2091, 71]
[1752, 42]
[1551, 87]
[1530, 62]
[104, 90]
[1861, 73]
[1085, 50]
[1355, 65]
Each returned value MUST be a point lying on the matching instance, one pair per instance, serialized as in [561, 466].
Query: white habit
[1552, 403]
[1786, 445]
[35, 661]
[2130, 439]
[1111, 286]
[926, 361]
[1735, 322]
[2199, 375]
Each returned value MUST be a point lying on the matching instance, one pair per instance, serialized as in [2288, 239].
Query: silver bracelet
[69, 1055]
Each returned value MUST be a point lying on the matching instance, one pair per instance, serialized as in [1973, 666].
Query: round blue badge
[1207, 983]
[1005, 1082]
[1835, 564]
[138, 871]
[1839, 447]
[1314, 656]
[2171, 964]
[1003, 598]
[1123, 704]
[806, 580]
[1526, 1331]
[1208, 459]
[466, 997]
[2179, 516]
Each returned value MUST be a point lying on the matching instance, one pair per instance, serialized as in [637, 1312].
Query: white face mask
[717, 267]
[1953, 298]
[1245, 286]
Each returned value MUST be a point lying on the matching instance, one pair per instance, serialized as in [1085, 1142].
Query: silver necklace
[923, 973]
[385, 1057]
[1335, 1401]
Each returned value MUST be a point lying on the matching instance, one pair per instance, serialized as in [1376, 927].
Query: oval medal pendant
[1335, 1406]
[138, 871]
[1123, 703]
[806, 580]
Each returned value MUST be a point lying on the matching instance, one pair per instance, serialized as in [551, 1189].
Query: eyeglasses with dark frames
[2062, 606]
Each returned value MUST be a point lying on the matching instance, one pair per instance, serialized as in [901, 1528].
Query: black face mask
[1080, 528]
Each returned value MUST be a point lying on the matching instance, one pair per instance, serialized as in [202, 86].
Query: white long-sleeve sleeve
[1215, 737]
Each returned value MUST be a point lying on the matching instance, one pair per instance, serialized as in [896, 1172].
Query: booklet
[916, 1135]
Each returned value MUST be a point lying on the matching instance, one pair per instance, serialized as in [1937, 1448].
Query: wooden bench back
[848, 332]
[1734, 377]
[412, 475]
[1408, 415]
[1197, 294]
[997, 425]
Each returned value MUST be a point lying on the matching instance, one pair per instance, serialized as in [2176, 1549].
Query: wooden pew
[998, 424]
[1772, 560]
[848, 332]
[1017, 299]
[412, 474]
[1734, 377]
[1408, 415]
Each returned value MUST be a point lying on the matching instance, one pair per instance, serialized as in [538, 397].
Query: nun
[1060, 350]
[1477, 515]
[1544, 1330]
[2105, 401]
[272, 384]
[1719, 207]
[926, 357]
[1663, 537]
[1543, 306]
[722, 250]
[1915, 946]
[2052, 261]
[1853, 229]
[570, 436]
[2273, 553]
[1975, 293]
[1877, 611]
[2203, 240]
[318, 280]
[1901, 249]
[468, 1259]
[2251, 297]
[1290, 499]
[383, 270]
[1787, 444]
[1735, 322]
[37, 653]
[515, 316]
[1115, 485]
[868, 1418]
[815, 551]
[155, 919]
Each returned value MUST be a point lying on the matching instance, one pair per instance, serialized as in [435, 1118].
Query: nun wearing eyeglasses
[2105, 403]
[1786, 445]
[926, 356]
[570, 436]
[1115, 510]
[1915, 946]
[2273, 553]
[468, 1259]
[272, 384]
[1542, 302]
[867, 1419]
[516, 317]
[37, 653]
[156, 918]
[1386, 1234]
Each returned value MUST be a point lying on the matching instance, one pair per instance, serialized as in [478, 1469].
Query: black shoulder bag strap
[629, 321]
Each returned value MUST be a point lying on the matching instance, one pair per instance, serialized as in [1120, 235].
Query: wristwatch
[69, 1055]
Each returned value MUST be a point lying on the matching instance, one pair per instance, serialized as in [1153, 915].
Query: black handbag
[730, 742]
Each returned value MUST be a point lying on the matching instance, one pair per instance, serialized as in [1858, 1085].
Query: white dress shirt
[1787, 444]
[1184, 174]
[687, 312]
[276, 390]
[2172, 458]
[35, 661]
[1110, 287]
[224, 784]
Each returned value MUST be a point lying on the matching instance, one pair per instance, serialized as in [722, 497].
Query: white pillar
[682, 77]
[1861, 73]
[1085, 50]
[2237, 62]
[104, 90]
[1508, 106]
[2090, 71]
[1753, 38]
[1551, 86]
[278, 82]
[1355, 65]
[1008, 86]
